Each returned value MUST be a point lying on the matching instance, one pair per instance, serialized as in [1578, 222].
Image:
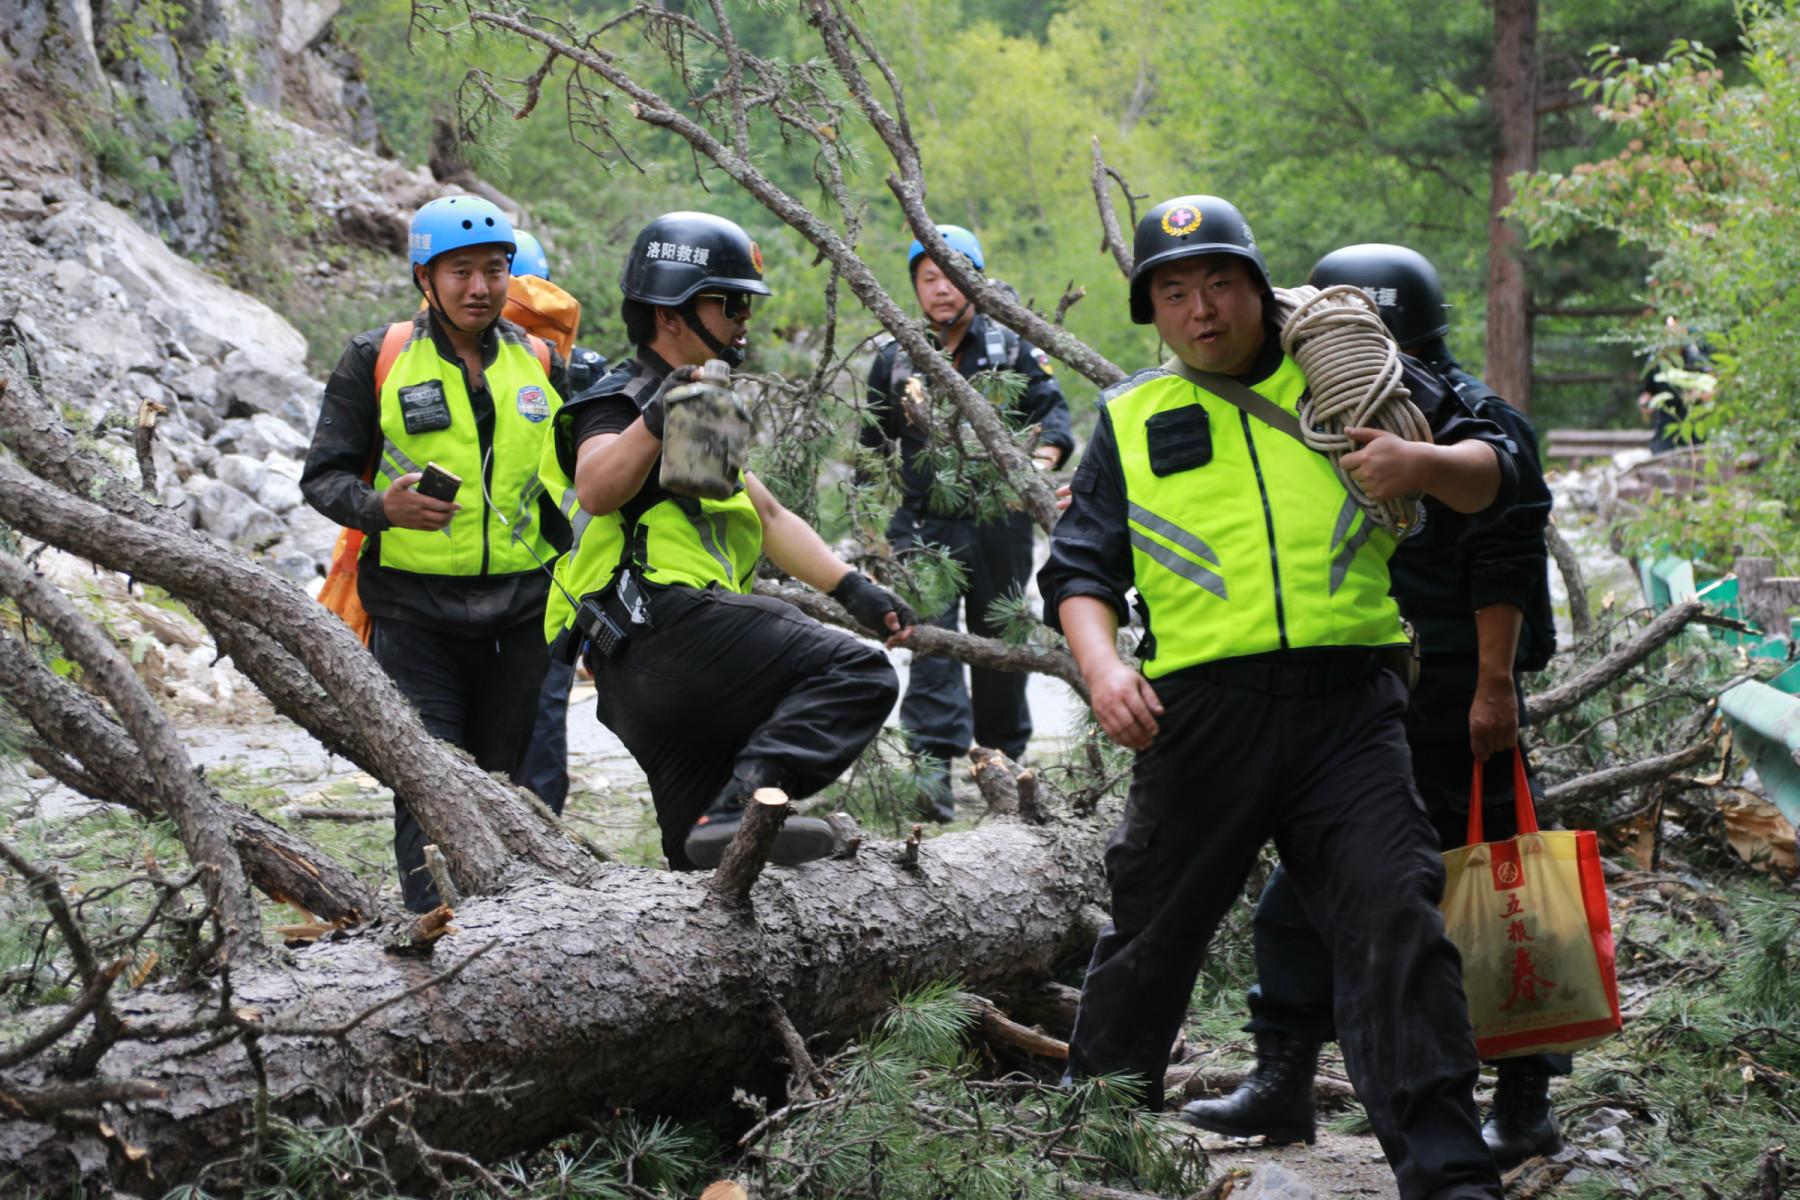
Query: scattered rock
[1272, 1182]
[242, 472]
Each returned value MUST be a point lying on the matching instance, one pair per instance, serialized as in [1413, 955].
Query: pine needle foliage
[911, 1114]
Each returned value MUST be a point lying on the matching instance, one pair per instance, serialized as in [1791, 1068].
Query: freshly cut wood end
[725, 1189]
[773, 797]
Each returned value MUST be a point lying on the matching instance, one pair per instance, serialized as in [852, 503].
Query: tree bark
[1513, 90]
[89, 751]
[642, 990]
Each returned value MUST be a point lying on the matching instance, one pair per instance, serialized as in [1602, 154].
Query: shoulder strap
[541, 348]
[392, 343]
[1243, 398]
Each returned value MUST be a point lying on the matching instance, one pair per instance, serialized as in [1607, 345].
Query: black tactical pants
[941, 715]
[1293, 990]
[728, 689]
[545, 768]
[479, 693]
[1315, 759]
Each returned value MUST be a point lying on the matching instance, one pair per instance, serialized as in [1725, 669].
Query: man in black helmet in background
[1478, 595]
[1266, 704]
[715, 691]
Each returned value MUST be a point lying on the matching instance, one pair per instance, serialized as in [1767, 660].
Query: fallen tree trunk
[642, 990]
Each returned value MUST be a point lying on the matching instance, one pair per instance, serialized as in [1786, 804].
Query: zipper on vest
[484, 445]
[1269, 525]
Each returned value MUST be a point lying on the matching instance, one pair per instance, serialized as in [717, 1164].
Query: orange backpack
[339, 591]
[539, 307]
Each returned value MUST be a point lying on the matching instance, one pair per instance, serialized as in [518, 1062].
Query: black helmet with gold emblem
[1187, 227]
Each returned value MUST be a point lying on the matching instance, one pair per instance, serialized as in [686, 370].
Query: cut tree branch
[765, 813]
[1567, 694]
[1616, 779]
[990, 653]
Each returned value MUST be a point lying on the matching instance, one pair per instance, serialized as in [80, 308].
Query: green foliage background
[1327, 122]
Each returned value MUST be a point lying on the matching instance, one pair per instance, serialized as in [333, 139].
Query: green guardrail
[1765, 723]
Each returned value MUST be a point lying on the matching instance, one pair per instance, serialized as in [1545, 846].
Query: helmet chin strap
[733, 355]
[953, 322]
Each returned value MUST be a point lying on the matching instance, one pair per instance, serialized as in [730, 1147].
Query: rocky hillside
[141, 159]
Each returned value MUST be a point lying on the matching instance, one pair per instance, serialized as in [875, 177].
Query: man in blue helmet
[1265, 704]
[452, 582]
[716, 691]
[1478, 595]
[943, 717]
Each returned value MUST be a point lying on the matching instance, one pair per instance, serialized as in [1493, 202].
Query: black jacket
[1041, 403]
[1459, 563]
[1090, 550]
[344, 444]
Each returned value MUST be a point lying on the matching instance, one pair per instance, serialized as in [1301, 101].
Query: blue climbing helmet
[529, 258]
[960, 240]
[456, 222]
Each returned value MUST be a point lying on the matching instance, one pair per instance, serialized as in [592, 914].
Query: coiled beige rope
[1353, 378]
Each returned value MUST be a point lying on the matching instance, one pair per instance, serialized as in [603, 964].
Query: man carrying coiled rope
[1264, 706]
[1478, 593]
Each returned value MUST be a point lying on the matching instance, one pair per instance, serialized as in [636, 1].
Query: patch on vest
[534, 406]
[424, 408]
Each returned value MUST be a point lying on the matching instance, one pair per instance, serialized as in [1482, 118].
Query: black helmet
[1186, 227]
[1402, 282]
[681, 253]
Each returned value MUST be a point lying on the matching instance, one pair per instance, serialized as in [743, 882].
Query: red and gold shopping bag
[1529, 917]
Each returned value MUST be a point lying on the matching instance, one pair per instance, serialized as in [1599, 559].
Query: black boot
[1522, 1125]
[937, 800]
[1275, 1102]
[800, 839]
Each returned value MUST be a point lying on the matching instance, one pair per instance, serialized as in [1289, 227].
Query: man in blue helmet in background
[536, 304]
[716, 691]
[941, 717]
[452, 582]
[1478, 594]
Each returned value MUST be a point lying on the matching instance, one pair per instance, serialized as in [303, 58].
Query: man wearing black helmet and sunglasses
[715, 691]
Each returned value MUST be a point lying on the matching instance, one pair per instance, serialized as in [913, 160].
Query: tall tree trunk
[1513, 91]
[642, 990]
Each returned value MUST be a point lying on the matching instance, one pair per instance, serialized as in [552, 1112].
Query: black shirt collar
[652, 361]
[1268, 359]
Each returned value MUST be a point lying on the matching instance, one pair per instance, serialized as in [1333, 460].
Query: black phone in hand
[438, 483]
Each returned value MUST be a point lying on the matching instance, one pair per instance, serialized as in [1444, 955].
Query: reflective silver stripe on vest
[1173, 532]
[1346, 515]
[577, 516]
[396, 461]
[1187, 568]
[1340, 563]
[712, 530]
[525, 515]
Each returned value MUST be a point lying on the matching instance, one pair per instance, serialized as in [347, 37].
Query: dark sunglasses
[735, 304]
